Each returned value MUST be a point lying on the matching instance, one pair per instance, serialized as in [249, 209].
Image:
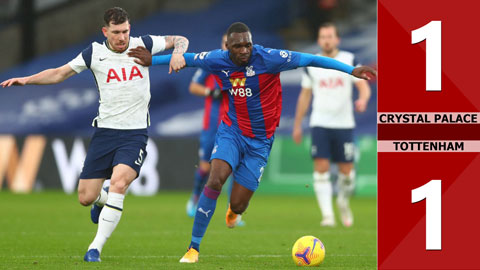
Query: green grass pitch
[51, 230]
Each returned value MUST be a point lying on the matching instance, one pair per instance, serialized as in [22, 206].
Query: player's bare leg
[220, 171]
[122, 177]
[207, 203]
[323, 190]
[346, 185]
[89, 191]
[239, 199]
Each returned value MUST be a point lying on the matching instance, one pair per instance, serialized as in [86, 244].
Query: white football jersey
[123, 85]
[332, 105]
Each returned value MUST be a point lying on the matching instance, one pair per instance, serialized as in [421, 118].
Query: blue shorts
[110, 147]
[332, 143]
[247, 156]
[207, 140]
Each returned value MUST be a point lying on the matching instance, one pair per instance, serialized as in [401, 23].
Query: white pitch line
[172, 256]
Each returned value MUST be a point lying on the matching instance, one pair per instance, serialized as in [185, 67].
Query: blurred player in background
[332, 123]
[118, 147]
[251, 75]
[204, 85]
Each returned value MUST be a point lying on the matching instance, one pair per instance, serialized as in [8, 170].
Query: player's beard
[329, 50]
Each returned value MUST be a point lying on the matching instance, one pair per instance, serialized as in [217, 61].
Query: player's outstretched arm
[362, 72]
[145, 58]
[180, 45]
[48, 76]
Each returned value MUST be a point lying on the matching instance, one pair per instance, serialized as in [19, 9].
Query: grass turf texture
[50, 230]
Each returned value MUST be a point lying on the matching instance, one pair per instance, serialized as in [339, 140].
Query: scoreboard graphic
[428, 134]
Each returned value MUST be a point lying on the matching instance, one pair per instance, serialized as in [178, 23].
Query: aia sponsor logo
[331, 83]
[113, 75]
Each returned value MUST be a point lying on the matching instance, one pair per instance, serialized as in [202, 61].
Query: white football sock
[102, 198]
[323, 191]
[346, 185]
[108, 220]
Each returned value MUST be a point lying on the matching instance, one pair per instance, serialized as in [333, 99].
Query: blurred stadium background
[45, 129]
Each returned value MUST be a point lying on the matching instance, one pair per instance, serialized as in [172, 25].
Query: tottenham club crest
[250, 71]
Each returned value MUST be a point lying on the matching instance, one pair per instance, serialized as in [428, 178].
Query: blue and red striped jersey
[254, 91]
[213, 111]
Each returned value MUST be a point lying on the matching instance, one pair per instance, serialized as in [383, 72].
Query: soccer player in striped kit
[204, 84]
[117, 149]
[250, 75]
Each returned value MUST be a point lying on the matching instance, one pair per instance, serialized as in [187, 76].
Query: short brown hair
[329, 24]
[115, 15]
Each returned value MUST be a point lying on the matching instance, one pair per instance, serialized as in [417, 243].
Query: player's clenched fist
[364, 72]
[176, 63]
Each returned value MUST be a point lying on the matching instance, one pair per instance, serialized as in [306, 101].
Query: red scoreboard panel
[428, 134]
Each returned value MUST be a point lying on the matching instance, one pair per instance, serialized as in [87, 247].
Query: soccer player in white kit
[332, 123]
[117, 149]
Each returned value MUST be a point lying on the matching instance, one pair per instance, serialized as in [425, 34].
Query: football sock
[102, 198]
[109, 218]
[230, 187]
[200, 180]
[205, 210]
[346, 185]
[323, 191]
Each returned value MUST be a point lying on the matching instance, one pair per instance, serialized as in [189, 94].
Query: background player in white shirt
[332, 124]
[117, 149]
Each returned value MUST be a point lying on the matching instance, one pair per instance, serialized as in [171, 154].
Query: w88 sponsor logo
[241, 92]
[239, 89]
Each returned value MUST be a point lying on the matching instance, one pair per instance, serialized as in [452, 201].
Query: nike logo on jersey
[204, 212]
[101, 59]
[226, 72]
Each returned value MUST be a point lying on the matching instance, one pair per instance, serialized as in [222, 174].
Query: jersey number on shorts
[348, 150]
[140, 158]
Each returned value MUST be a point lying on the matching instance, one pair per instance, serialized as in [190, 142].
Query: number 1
[432, 192]
[432, 33]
